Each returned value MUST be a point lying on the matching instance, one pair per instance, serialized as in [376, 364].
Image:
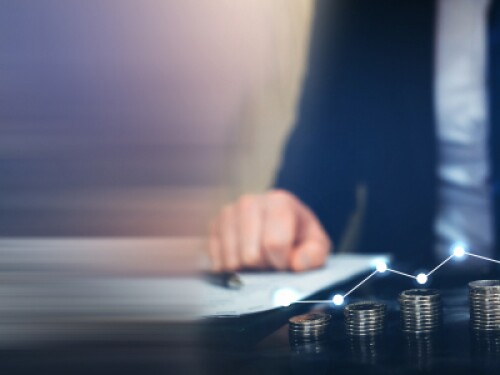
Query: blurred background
[139, 118]
[121, 119]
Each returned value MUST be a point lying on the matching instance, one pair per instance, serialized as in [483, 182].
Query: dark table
[258, 344]
[455, 349]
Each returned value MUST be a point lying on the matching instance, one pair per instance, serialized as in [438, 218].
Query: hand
[273, 230]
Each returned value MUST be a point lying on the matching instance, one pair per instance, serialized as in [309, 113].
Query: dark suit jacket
[367, 117]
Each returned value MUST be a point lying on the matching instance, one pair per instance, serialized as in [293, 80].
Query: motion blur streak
[119, 120]
[107, 127]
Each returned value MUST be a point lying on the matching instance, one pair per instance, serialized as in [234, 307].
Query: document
[46, 279]
[264, 291]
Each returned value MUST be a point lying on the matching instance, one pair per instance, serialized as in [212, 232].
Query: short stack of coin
[364, 318]
[420, 349]
[484, 298]
[308, 328]
[365, 349]
[420, 310]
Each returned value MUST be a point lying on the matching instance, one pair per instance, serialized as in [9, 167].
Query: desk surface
[259, 344]
[455, 349]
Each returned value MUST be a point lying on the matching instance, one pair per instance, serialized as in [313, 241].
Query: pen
[228, 280]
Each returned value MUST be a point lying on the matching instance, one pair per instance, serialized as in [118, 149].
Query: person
[398, 120]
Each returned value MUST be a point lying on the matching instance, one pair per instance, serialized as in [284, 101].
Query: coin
[308, 328]
[364, 318]
[420, 310]
[365, 306]
[310, 318]
[420, 294]
[485, 284]
[484, 301]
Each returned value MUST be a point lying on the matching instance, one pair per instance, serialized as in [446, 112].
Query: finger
[214, 247]
[278, 232]
[249, 228]
[229, 240]
[309, 255]
[313, 244]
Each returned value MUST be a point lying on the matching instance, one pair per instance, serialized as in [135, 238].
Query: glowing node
[285, 297]
[459, 251]
[338, 299]
[422, 278]
[381, 267]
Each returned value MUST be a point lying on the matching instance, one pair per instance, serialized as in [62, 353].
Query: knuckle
[247, 201]
[275, 243]
[280, 195]
[283, 217]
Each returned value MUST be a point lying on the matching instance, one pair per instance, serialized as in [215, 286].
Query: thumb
[313, 245]
[309, 255]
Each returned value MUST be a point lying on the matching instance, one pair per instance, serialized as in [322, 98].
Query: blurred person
[397, 122]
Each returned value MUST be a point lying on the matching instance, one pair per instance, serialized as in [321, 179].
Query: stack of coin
[365, 349]
[420, 349]
[486, 343]
[308, 328]
[420, 310]
[364, 318]
[309, 348]
[484, 298]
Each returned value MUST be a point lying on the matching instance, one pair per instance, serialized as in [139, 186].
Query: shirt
[464, 211]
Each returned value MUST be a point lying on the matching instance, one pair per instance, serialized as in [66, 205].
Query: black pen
[228, 280]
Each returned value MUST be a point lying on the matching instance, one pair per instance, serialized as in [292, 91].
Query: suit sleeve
[319, 160]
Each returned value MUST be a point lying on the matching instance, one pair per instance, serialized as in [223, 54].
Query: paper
[45, 277]
[262, 291]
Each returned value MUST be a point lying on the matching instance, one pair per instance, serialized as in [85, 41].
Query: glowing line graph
[422, 278]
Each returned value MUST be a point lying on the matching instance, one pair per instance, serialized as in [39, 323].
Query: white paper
[44, 290]
[261, 289]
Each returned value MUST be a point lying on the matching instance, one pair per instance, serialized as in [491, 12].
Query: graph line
[441, 264]
[421, 278]
[361, 283]
[481, 257]
[401, 273]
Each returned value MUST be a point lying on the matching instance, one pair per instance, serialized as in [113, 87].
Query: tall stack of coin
[420, 310]
[484, 298]
[307, 328]
[364, 318]
[486, 343]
